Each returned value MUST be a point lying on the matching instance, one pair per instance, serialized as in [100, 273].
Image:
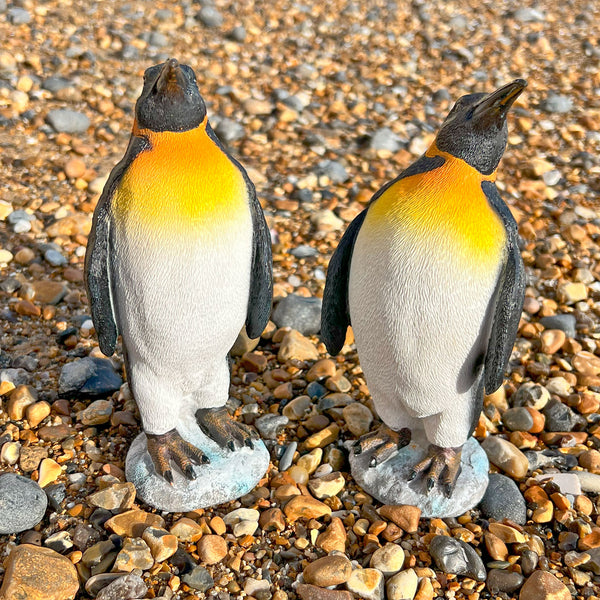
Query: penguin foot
[166, 447]
[442, 465]
[218, 425]
[383, 443]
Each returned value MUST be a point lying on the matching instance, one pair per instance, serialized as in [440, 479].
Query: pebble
[358, 418]
[18, 16]
[325, 221]
[571, 292]
[305, 507]
[313, 592]
[97, 413]
[132, 523]
[367, 584]
[295, 346]
[36, 573]
[49, 472]
[565, 322]
[559, 417]
[89, 377]
[531, 395]
[517, 419]
[506, 456]
[402, 586]
[542, 585]
[385, 139]
[241, 514]
[333, 169]
[589, 482]
[503, 500]
[186, 530]
[257, 588]
[22, 503]
[557, 103]
[134, 554]
[389, 559]
[299, 313]
[212, 549]
[285, 462]
[270, 426]
[327, 486]
[509, 535]
[329, 570]
[118, 496]
[162, 544]
[334, 537]
[272, 520]
[529, 15]
[199, 579]
[126, 586]
[405, 516]
[455, 556]
[65, 120]
[499, 580]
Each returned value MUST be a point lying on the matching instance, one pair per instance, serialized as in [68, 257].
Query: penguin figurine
[178, 260]
[431, 278]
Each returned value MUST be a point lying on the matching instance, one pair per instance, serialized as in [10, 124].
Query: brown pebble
[218, 525]
[542, 585]
[272, 520]
[37, 412]
[329, 570]
[334, 537]
[305, 507]
[313, 592]
[322, 438]
[495, 546]
[552, 340]
[211, 549]
[254, 362]
[321, 369]
[133, 523]
[405, 516]
[75, 168]
[28, 309]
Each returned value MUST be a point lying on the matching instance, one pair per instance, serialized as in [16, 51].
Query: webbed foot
[383, 443]
[218, 425]
[166, 447]
[441, 465]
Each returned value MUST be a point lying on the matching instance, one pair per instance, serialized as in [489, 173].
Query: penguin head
[170, 100]
[475, 129]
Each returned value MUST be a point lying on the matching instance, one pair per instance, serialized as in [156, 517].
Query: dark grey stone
[285, 462]
[529, 562]
[29, 363]
[54, 258]
[517, 419]
[56, 493]
[557, 103]
[209, 16]
[315, 390]
[503, 581]
[89, 377]
[55, 83]
[300, 313]
[565, 322]
[22, 503]
[333, 169]
[559, 417]
[454, 556]
[15, 376]
[238, 33]
[66, 120]
[199, 579]
[503, 500]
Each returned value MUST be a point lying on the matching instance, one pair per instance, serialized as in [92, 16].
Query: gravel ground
[323, 103]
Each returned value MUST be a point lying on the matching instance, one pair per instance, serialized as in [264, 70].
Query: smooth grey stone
[303, 195]
[385, 139]
[29, 363]
[551, 178]
[55, 83]
[557, 103]
[55, 258]
[388, 481]
[56, 493]
[22, 503]
[16, 376]
[454, 556]
[270, 425]
[503, 500]
[304, 251]
[18, 16]
[565, 322]
[300, 313]
[529, 15]
[2, 6]
[229, 475]
[334, 170]
[285, 462]
[66, 120]
[89, 377]
[529, 562]
[164, 14]
[238, 33]
[95, 583]
[19, 215]
[10, 285]
[593, 564]
[199, 579]
[228, 130]
[210, 16]
[503, 581]
[127, 586]
[315, 390]
[532, 395]
[517, 419]
[559, 417]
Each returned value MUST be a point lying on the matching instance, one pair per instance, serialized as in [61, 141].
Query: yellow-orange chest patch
[445, 207]
[182, 182]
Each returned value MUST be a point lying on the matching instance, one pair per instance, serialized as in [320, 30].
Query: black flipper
[260, 298]
[335, 314]
[97, 256]
[508, 297]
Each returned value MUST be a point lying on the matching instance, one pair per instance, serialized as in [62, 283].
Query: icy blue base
[228, 476]
[389, 483]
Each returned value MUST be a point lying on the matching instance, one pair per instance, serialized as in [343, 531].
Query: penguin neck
[454, 163]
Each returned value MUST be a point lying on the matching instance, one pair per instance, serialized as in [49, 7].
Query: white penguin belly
[421, 319]
[182, 301]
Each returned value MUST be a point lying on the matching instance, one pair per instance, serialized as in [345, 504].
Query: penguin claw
[442, 466]
[217, 424]
[170, 446]
[383, 443]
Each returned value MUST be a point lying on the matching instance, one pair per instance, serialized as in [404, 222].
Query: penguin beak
[495, 106]
[171, 79]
